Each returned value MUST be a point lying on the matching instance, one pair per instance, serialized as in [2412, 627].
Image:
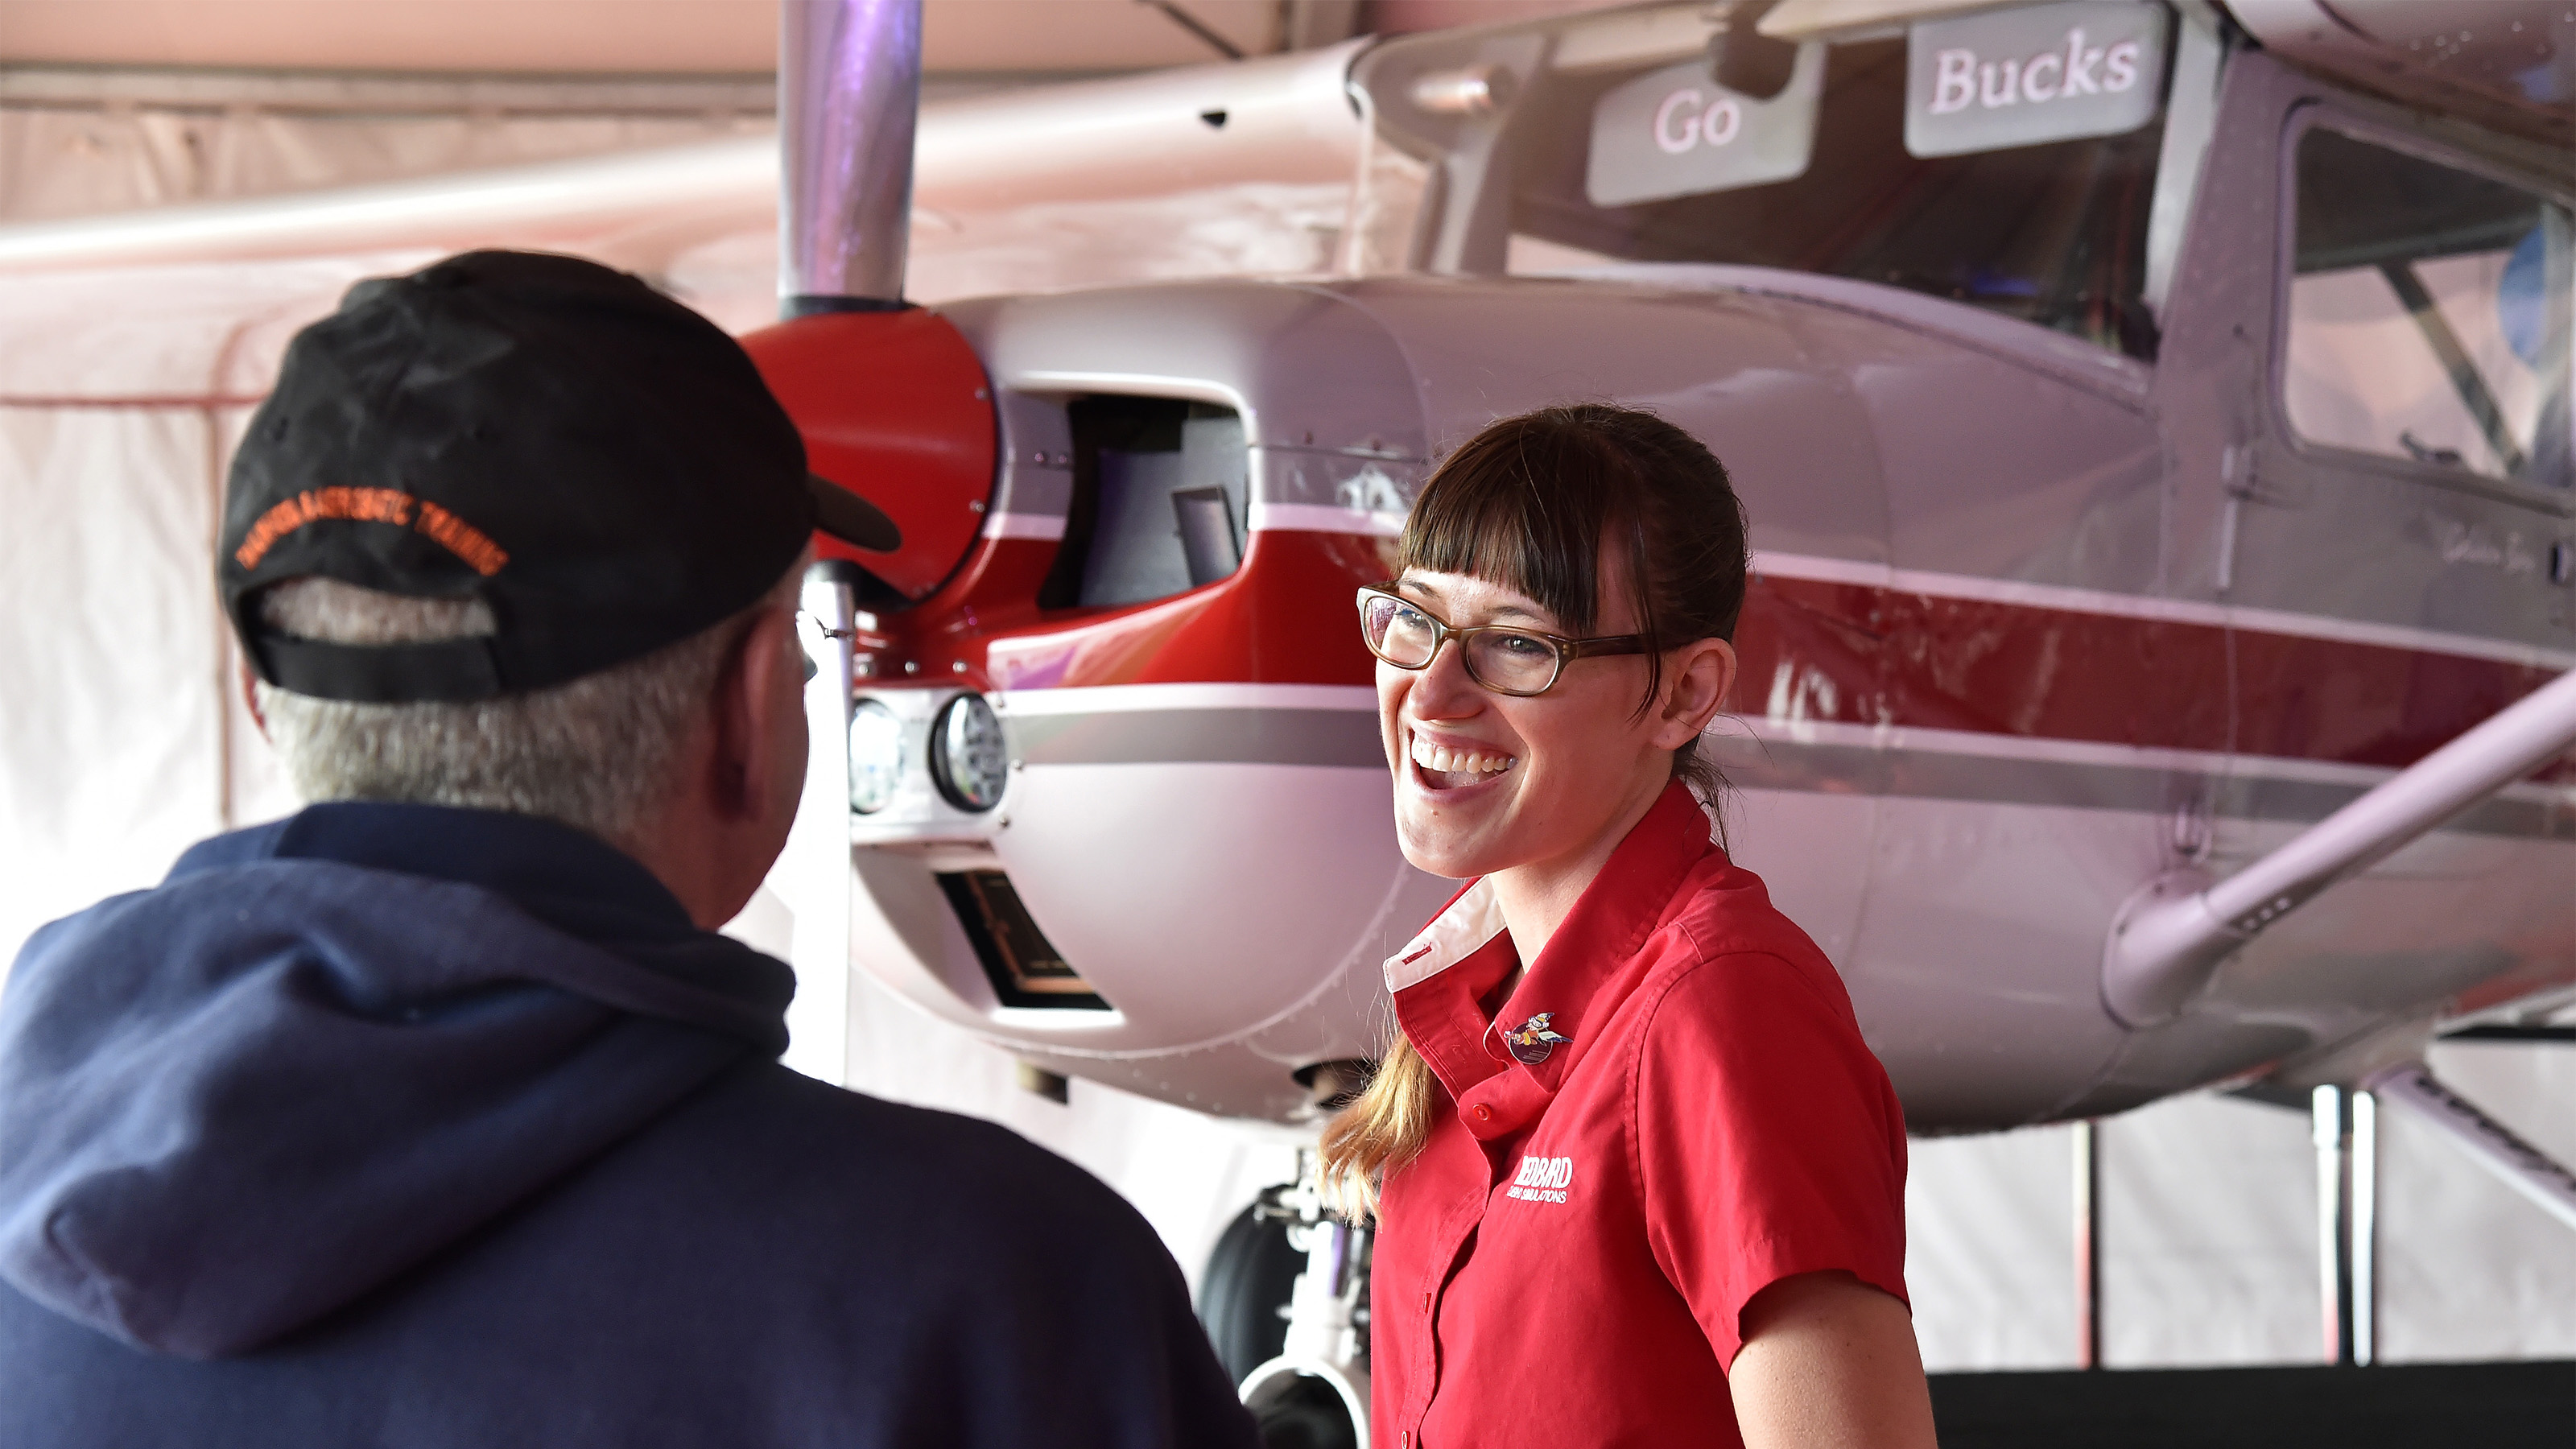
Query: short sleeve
[1769, 1142]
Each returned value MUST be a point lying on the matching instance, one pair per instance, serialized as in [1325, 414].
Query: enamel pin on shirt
[1531, 1041]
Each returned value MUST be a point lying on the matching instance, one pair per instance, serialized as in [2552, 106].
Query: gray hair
[595, 753]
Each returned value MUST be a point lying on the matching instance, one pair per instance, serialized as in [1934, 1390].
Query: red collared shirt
[1567, 1260]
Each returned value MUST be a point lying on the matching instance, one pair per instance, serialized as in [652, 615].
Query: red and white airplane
[2154, 417]
[2125, 503]
[2155, 424]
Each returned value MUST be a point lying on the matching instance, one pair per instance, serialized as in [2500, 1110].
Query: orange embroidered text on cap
[372, 505]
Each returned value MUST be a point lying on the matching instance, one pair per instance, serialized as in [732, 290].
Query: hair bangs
[1524, 507]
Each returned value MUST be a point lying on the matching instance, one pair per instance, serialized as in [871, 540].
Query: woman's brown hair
[1528, 503]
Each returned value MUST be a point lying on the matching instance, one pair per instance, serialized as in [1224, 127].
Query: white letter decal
[2079, 66]
[1988, 95]
[1954, 81]
[1722, 122]
[2120, 70]
[1684, 103]
[2030, 86]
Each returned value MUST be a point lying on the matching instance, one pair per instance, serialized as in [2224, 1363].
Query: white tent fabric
[67, 159]
[119, 398]
[122, 740]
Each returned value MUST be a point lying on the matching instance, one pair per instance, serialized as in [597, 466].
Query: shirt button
[1404, 1440]
[1484, 1113]
[1426, 1300]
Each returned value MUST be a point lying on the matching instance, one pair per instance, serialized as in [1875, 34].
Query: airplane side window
[2428, 314]
[1158, 501]
[2052, 233]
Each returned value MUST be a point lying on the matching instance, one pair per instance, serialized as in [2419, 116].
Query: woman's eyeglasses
[1517, 662]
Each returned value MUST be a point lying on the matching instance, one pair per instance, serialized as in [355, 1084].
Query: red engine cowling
[895, 407]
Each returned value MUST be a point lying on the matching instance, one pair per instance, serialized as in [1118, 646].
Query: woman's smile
[1488, 781]
[1446, 766]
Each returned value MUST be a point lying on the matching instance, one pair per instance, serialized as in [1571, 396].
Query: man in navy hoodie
[438, 1114]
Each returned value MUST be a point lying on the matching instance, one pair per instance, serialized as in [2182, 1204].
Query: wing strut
[2173, 934]
[2491, 1144]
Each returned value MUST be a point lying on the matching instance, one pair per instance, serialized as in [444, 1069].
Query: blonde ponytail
[1381, 1131]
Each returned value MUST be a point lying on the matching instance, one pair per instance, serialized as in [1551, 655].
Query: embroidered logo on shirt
[1531, 1041]
[1542, 1179]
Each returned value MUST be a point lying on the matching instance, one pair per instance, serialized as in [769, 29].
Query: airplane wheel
[1307, 1414]
[1243, 1296]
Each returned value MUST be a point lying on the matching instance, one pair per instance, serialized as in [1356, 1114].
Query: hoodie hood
[325, 1049]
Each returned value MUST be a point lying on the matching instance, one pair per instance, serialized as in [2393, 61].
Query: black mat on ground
[2488, 1405]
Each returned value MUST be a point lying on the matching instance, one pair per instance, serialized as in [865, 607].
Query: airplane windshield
[2052, 233]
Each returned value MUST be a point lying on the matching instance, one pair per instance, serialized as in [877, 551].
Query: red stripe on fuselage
[1862, 655]
[2317, 699]
[1850, 653]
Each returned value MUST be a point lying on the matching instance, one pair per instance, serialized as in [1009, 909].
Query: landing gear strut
[1313, 1393]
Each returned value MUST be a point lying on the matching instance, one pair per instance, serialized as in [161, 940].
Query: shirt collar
[1471, 919]
[1439, 982]
[1440, 976]
[1610, 922]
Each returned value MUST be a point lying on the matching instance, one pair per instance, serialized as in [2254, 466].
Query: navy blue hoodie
[401, 1125]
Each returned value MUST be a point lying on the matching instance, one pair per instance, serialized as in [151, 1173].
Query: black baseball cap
[599, 464]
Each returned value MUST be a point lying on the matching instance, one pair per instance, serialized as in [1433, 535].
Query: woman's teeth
[1446, 761]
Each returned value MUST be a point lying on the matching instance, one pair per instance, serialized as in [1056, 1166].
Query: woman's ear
[1696, 679]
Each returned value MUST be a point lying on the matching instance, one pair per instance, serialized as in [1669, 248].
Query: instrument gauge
[876, 756]
[968, 759]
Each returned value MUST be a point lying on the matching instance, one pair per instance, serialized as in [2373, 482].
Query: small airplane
[2155, 424]
[2154, 416]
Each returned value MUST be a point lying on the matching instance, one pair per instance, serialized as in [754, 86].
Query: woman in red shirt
[1638, 1180]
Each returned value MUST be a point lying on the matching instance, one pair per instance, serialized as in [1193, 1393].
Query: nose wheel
[1285, 1301]
[1307, 1411]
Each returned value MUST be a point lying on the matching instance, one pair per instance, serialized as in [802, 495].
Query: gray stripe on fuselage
[1920, 774]
[2307, 801]
[1343, 737]
[1349, 739]
[1778, 764]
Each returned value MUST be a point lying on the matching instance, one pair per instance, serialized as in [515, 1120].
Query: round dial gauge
[968, 759]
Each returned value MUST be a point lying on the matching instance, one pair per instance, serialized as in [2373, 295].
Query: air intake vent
[1160, 502]
[1024, 966]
